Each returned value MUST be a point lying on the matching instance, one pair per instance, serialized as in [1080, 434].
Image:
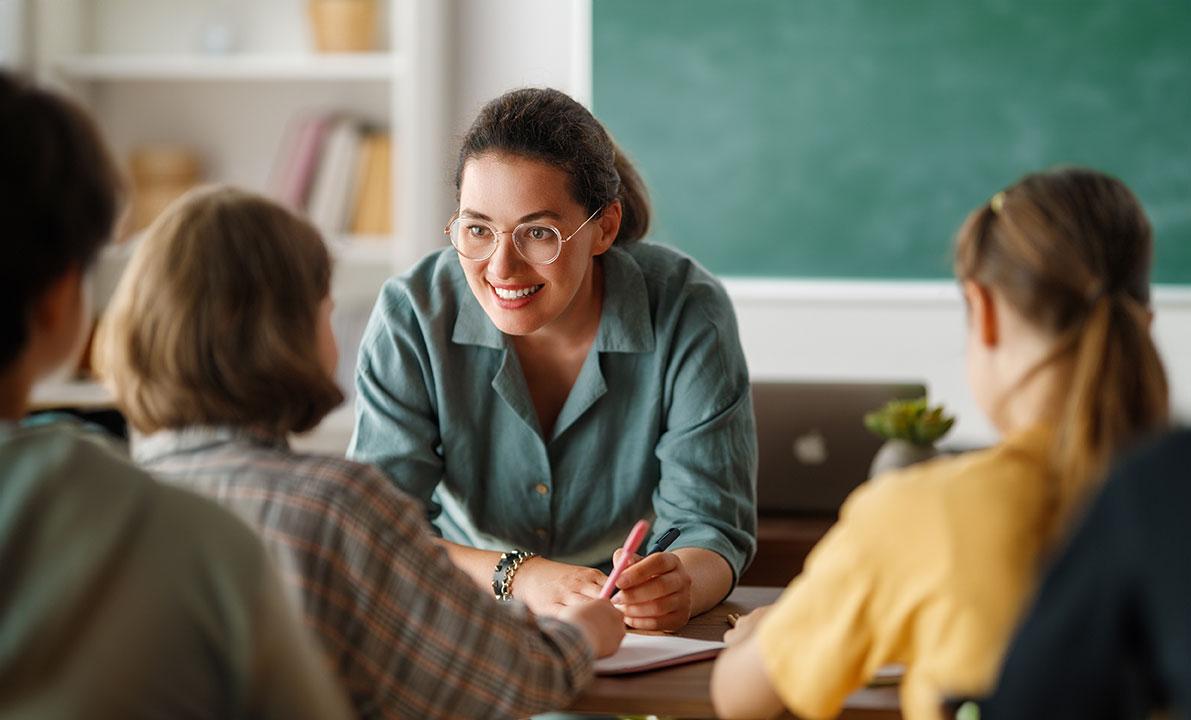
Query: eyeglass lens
[475, 240]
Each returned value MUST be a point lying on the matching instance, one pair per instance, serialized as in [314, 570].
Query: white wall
[500, 46]
[14, 33]
[790, 329]
[861, 330]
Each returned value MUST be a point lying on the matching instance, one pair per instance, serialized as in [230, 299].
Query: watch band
[506, 567]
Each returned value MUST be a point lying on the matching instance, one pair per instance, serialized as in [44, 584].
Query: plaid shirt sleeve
[412, 635]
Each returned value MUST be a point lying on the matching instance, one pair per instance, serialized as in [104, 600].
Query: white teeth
[515, 294]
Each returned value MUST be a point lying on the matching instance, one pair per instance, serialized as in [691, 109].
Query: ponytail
[634, 200]
[1117, 391]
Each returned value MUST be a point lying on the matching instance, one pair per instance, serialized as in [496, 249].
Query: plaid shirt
[409, 633]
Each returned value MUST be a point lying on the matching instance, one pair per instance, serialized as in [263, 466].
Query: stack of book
[338, 172]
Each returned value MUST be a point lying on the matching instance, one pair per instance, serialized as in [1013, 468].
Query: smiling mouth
[504, 294]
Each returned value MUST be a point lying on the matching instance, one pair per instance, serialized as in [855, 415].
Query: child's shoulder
[359, 489]
[78, 478]
[65, 451]
[941, 483]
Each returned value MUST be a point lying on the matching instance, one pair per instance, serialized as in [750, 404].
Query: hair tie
[997, 203]
[1107, 293]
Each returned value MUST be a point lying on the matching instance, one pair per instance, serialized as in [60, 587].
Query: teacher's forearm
[711, 577]
[478, 564]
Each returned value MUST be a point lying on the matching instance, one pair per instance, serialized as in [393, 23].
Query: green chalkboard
[849, 138]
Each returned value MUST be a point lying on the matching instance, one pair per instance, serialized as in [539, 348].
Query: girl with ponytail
[930, 567]
[550, 379]
[1066, 254]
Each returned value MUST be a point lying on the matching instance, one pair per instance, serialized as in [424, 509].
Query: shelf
[337, 67]
[363, 249]
[76, 394]
[345, 248]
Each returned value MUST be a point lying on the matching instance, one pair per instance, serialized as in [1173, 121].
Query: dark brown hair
[215, 320]
[59, 197]
[549, 126]
[1070, 250]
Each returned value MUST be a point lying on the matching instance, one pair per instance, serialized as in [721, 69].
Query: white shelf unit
[377, 66]
[139, 68]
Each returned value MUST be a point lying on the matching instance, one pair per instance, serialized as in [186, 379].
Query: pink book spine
[283, 162]
[296, 186]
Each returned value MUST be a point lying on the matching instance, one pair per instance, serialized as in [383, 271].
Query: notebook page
[649, 652]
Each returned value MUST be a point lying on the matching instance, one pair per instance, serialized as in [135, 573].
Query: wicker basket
[344, 25]
[160, 175]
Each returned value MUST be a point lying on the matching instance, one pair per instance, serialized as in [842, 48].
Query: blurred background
[816, 155]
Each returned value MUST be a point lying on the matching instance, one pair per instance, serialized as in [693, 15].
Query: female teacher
[549, 380]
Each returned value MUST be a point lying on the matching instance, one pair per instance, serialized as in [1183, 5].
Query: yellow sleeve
[840, 620]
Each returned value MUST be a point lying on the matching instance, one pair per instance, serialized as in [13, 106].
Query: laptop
[812, 444]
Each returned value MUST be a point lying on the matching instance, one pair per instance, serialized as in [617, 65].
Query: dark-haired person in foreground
[1109, 635]
[119, 597]
[553, 378]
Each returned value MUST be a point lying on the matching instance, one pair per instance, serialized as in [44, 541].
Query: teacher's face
[521, 297]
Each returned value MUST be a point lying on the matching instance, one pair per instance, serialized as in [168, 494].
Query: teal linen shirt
[659, 423]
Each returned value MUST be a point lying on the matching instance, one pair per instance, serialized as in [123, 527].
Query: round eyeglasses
[539, 243]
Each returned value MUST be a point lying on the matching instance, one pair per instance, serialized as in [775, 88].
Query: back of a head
[59, 197]
[1070, 250]
[552, 127]
[214, 321]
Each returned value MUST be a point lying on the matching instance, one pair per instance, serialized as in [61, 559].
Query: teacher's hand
[654, 592]
[547, 586]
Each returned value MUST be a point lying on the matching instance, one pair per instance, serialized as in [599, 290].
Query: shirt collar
[472, 326]
[163, 443]
[1034, 441]
[626, 323]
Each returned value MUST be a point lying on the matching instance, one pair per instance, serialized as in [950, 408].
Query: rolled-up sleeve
[708, 447]
[396, 426]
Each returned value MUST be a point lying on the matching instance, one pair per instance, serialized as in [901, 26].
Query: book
[639, 653]
[334, 192]
[373, 214]
[297, 162]
[284, 159]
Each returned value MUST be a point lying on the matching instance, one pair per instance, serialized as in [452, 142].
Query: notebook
[639, 653]
[813, 446]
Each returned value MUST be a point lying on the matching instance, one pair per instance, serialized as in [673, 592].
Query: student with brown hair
[218, 345]
[930, 566]
[552, 378]
[119, 597]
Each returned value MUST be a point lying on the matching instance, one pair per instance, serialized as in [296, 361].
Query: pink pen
[631, 543]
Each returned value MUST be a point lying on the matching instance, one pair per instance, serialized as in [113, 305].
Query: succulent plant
[910, 420]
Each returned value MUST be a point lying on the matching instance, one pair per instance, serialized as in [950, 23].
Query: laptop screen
[812, 444]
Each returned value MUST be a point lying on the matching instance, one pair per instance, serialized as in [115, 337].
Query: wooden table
[684, 691]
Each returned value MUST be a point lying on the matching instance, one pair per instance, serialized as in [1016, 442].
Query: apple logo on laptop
[811, 448]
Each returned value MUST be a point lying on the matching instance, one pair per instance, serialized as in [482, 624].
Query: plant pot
[898, 454]
[344, 25]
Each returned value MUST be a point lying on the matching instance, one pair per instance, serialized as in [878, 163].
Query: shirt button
[541, 488]
[541, 532]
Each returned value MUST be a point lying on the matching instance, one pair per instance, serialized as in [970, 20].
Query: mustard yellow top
[928, 567]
